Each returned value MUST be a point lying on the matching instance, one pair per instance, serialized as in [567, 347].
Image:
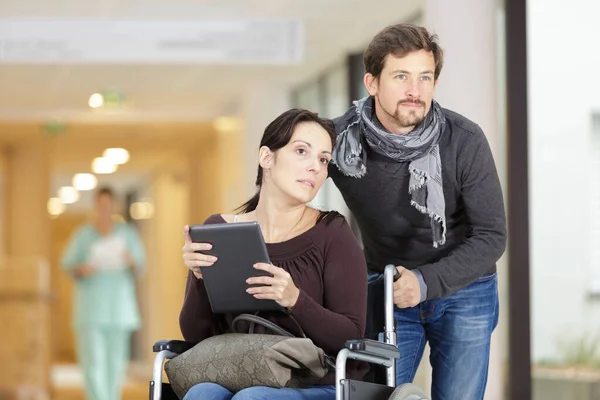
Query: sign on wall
[83, 41]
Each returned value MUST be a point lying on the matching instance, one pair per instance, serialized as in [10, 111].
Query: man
[421, 182]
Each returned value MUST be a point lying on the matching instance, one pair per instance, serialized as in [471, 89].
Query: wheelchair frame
[371, 351]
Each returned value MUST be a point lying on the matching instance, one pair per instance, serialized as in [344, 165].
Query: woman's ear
[265, 157]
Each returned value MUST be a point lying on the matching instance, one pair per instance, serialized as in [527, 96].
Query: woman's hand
[129, 261]
[280, 287]
[194, 260]
[84, 270]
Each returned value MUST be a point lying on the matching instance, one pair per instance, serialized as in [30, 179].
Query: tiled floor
[67, 384]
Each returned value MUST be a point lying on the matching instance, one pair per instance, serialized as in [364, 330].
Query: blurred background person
[104, 256]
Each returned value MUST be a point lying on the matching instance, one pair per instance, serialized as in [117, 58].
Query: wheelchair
[380, 383]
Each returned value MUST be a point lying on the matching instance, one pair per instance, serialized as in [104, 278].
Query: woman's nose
[315, 166]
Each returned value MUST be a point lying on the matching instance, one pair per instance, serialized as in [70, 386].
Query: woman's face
[105, 207]
[298, 169]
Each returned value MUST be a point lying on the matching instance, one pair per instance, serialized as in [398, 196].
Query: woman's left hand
[279, 287]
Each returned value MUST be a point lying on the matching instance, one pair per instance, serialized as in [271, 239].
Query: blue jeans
[458, 329]
[212, 391]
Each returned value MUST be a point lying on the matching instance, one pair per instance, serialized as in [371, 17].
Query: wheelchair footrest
[359, 390]
[373, 348]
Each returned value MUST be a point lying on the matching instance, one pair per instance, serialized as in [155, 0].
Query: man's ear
[265, 157]
[370, 83]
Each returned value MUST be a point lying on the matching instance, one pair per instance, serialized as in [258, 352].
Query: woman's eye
[301, 151]
[324, 161]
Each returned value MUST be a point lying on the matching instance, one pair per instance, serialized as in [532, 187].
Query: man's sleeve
[484, 207]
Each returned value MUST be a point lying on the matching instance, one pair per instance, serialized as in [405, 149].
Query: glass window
[564, 180]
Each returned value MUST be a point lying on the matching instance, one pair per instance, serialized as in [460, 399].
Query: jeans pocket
[374, 277]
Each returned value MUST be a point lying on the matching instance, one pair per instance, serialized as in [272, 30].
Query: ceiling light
[116, 155]
[96, 100]
[55, 206]
[102, 165]
[84, 181]
[141, 210]
[68, 195]
[227, 124]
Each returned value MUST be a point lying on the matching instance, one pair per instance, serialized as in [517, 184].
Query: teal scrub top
[107, 297]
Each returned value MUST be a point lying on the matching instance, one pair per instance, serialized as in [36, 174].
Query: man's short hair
[400, 40]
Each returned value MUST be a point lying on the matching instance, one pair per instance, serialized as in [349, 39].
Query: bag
[241, 360]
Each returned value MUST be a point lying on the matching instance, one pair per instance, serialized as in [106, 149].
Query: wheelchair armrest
[367, 350]
[373, 348]
[174, 346]
[166, 350]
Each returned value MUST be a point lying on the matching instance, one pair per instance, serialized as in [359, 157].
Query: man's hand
[407, 292]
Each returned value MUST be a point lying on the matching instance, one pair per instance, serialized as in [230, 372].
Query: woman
[103, 257]
[318, 269]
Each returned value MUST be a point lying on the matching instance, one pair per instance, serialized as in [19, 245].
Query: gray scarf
[419, 147]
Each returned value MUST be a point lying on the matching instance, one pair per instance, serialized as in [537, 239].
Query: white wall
[563, 42]
[261, 104]
[472, 83]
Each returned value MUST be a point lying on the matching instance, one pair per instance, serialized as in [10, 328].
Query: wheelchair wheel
[408, 391]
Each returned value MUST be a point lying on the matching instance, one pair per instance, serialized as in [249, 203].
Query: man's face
[404, 90]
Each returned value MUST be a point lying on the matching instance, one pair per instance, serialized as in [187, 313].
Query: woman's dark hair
[105, 191]
[277, 135]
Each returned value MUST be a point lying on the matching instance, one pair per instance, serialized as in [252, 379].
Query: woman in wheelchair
[318, 268]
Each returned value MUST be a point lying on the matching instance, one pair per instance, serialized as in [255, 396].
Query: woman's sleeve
[196, 319]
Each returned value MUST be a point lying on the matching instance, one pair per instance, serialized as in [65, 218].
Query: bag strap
[302, 334]
[255, 319]
[330, 362]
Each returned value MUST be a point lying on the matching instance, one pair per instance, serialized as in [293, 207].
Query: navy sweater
[394, 232]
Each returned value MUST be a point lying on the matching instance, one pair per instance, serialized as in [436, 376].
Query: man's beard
[408, 118]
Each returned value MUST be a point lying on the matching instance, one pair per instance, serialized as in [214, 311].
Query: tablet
[238, 246]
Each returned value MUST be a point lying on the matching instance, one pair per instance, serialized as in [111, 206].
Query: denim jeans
[212, 391]
[458, 329]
